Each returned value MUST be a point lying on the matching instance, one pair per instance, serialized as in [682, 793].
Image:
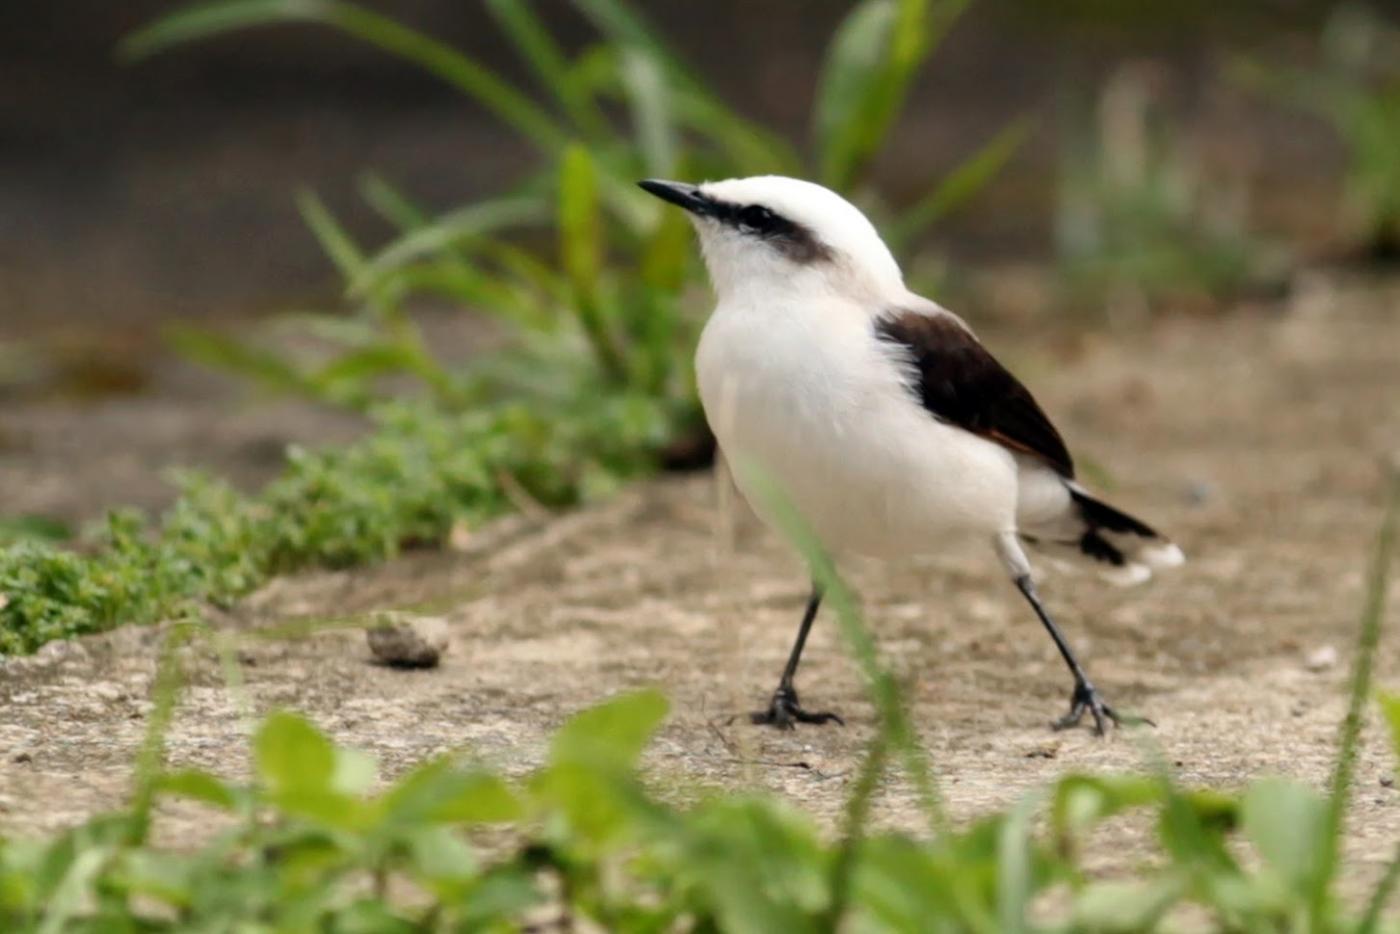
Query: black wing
[962, 384]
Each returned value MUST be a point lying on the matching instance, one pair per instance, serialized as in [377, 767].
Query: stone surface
[404, 641]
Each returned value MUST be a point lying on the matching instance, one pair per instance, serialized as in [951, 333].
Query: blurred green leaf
[1016, 866]
[292, 755]
[759, 865]
[1081, 801]
[1390, 707]
[439, 854]
[334, 238]
[1287, 822]
[267, 368]
[36, 528]
[391, 204]
[440, 792]
[610, 735]
[1126, 907]
[355, 771]
[198, 786]
[455, 228]
[168, 877]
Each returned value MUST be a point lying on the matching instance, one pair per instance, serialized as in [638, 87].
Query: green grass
[416, 474]
[315, 843]
[1355, 87]
[1138, 217]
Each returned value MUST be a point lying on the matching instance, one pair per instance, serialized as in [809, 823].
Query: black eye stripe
[793, 240]
[755, 219]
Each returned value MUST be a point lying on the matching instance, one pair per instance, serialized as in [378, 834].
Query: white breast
[807, 395]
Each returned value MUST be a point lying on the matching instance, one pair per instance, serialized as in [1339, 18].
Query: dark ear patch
[802, 246]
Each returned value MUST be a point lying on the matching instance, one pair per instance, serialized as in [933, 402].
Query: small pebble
[22, 756]
[408, 641]
[1321, 658]
[1387, 781]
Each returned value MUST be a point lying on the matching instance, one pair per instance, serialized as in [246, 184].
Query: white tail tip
[1165, 555]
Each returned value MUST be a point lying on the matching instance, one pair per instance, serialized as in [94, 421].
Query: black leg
[784, 711]
[1085, 697]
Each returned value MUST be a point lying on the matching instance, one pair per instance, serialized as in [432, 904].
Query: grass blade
[454, 228]
[537, 47]
[581, 252]
[963, 183]
[647, 91]
[1377, 587]
[391, 204]
[263, 367]
[334, 239]
[207, 20]
[870, 64]
[1384, 890]
[752, 148]
[883, 689]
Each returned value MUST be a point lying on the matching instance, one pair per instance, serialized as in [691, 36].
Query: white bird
[884, 420]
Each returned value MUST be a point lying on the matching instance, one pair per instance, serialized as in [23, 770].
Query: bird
[890, 428]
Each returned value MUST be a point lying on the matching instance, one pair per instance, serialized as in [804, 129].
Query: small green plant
[1355, 87]
[313, 843]
[1136, 219]
[418, 473]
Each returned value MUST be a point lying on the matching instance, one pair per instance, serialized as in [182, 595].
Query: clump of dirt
[1254, 440]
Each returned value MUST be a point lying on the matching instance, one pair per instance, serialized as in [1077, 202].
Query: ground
[1256, 440]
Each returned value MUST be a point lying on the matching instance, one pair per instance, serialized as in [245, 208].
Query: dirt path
[1255, 441]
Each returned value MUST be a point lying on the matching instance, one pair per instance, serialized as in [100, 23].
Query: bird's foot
[784, 712]
[1087, 699]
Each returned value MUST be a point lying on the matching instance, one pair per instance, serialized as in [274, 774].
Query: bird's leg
[784, 711]
[1085, 696]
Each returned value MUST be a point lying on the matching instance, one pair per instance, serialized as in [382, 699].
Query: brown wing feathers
[961, 383]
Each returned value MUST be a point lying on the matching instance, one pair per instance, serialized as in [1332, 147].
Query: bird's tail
[1128, 549]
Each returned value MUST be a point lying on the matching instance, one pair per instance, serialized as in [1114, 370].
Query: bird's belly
[866, 467]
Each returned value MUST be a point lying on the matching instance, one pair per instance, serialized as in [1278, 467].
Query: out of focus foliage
[1355, 87]
[415, 476]
[1139, 221]
[314, 842]
[604, 312]
[593, 386]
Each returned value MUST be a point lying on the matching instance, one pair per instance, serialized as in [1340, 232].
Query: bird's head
[770, 231]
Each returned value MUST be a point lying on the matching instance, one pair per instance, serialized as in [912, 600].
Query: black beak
[687, 196]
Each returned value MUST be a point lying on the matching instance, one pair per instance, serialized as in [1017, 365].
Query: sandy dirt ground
[1256, 441]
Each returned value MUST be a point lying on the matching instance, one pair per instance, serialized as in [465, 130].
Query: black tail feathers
[1101, 521]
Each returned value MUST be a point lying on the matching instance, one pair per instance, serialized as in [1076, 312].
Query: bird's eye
[757, 217]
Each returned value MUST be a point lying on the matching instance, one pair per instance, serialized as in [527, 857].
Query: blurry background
[137, 195]
[134, 194]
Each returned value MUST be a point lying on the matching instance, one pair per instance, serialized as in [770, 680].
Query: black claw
[1086, 698]
[784, 712]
